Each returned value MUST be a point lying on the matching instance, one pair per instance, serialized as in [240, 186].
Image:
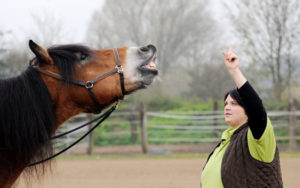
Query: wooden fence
[193, 127]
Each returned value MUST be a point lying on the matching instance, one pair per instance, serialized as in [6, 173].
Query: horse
[59, 83]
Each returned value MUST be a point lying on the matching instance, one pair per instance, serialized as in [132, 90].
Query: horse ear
[41, 53]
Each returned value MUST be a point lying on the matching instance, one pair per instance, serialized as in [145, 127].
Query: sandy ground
[140, 173]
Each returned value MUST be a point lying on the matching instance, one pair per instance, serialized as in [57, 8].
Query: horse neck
[64, 110]
[63, 107]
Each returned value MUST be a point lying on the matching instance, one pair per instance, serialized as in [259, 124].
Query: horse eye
[83, 57]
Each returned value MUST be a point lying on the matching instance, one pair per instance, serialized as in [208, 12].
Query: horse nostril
[148, 48]
[145, 48]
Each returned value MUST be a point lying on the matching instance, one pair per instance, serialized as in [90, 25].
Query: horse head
[79, 64]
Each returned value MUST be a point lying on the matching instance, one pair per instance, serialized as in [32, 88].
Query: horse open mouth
[149, 67]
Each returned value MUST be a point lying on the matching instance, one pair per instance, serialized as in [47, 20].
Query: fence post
[292, 126]
[133, 127]
[143, 120]
[215, 113]
[69, 127]
[90, 136]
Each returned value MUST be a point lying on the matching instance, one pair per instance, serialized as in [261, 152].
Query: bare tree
[270, 34]
[211, 82]
[176, 27]
[16, 61]
[2, 50]
[48, 29]
[4, 66]
[2, 34]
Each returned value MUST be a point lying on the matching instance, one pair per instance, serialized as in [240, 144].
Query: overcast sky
[17, 16]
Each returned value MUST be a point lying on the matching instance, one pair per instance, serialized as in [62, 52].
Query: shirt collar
[228, 132]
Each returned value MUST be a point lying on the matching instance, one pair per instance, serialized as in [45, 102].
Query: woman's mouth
[227, 114]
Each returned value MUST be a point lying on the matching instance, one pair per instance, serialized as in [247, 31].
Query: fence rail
[192, 127]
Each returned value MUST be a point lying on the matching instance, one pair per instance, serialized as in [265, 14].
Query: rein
[88, 85]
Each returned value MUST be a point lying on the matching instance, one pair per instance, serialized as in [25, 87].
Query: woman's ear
[41, 53]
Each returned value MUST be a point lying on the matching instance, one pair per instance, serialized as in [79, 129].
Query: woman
[247, 155]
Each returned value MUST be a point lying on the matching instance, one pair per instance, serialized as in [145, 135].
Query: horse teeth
[151, 65]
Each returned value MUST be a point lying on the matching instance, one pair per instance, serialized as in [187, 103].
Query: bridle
[90, 84]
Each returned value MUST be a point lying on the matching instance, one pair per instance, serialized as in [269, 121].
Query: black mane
[27, 118]
[26, 110]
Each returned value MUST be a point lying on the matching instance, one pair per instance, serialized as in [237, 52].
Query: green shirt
[262, 149]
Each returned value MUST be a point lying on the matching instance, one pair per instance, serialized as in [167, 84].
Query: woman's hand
[231, 60]
[232, 63]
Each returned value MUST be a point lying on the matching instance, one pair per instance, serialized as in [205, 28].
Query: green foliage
[271, 105]
[178, 103]
[102, 139]
[163, 103]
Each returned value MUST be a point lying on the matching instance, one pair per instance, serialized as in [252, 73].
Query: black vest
[240, 170]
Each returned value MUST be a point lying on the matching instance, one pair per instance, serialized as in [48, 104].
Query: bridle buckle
[119, 69]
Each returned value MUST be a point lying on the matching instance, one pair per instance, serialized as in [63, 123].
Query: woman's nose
[227, 108]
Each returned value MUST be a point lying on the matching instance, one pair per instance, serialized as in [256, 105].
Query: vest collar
[241, 128]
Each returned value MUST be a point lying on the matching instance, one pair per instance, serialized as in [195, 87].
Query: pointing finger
[230, 49]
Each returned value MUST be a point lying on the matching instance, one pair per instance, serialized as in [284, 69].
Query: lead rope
[102, 118]
[84, 125]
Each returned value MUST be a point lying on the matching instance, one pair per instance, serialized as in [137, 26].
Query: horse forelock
[66, 58]
[27, 120]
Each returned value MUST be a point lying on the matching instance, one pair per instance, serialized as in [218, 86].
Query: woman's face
[235, 114]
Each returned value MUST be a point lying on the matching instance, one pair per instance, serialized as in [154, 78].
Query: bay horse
[34, 104]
